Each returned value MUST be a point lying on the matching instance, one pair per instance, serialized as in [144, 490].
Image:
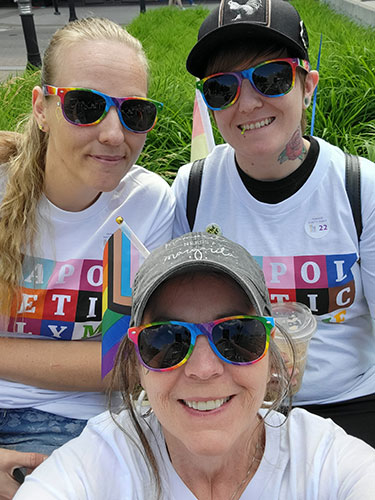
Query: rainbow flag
[202, 138]
[121, 260]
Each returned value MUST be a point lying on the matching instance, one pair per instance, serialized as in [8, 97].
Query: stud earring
[41, 127]
[306, 102]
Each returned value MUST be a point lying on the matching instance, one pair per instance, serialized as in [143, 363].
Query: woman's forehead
[181, 287]
[245, 56]
[104, 54]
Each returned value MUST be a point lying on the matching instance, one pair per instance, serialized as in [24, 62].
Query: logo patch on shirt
[213, 228]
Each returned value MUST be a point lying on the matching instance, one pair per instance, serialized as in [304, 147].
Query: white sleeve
[85, 468]
[325, 463]
[367, 243]
[179, 187]
[356, 469]
[55, 479]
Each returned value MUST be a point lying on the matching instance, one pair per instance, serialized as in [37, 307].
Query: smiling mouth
[212, 404]
[256, 125]
[108, 158]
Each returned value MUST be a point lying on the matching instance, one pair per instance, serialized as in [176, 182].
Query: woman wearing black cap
[201, 346]
[282, 196]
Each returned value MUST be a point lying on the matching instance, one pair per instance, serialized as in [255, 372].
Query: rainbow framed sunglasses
[273, 78]
[85, 107]
[237, 340]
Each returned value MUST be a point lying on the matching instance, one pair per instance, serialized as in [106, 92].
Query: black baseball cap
[276, 21]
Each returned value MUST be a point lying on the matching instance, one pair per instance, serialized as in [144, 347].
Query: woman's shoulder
[109, 423]
[330, 152]
[303, 431]
[140, 179]
[105, 461]
[116, 436]
[310, 454]
[217, 157]
[143, 175]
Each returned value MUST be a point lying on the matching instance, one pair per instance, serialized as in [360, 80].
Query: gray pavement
[13, 56]
[361, 11]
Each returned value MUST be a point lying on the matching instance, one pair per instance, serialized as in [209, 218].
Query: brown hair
[24, 155]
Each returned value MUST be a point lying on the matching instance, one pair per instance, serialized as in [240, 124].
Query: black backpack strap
[353, 189]
[194, 191]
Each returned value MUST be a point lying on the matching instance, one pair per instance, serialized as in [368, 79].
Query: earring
[306, 102]
[142, 402]
[41, 127]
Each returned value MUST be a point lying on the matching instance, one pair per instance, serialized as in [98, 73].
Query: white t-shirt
[306, 458]
[308, 249]
[62, 283]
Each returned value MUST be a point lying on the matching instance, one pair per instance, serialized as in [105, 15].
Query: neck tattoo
[295, 149]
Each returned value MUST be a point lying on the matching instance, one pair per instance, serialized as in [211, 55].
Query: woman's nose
[203, 362]
[111, 129]
[249, 98]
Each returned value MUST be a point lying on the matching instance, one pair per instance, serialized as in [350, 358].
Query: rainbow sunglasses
[237, 340]
[273, 78]
[85, 107]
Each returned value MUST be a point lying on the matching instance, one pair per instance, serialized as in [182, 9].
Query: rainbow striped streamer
[121, 260]
[202, 138]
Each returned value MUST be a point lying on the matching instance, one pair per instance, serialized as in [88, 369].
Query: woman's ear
[39, 108]
[311, 81]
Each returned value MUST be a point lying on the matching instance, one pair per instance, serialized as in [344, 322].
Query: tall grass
[346, 93]
[346, 97]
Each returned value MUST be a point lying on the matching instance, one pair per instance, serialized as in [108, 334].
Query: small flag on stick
[123, 255]
[202, 138]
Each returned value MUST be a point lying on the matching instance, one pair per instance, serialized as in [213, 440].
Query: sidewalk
[13, 57]
[361, 11]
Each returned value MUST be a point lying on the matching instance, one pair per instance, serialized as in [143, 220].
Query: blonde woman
[63, 182]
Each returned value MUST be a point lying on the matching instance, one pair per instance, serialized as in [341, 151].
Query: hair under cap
[276, 21]
[199, 252]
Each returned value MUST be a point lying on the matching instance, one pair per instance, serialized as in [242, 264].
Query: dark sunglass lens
[273, 78]
[138, 115]
[163, 346]
[220, 90]
[240, 340]
[83, 107]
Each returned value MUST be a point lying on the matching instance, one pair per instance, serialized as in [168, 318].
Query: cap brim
[250, 289]
[223, 36]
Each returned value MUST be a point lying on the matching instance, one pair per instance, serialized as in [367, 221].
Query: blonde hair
[23, 157]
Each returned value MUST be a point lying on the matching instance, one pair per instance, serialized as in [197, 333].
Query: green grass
[345, 113]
